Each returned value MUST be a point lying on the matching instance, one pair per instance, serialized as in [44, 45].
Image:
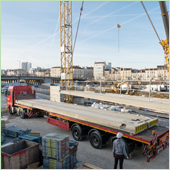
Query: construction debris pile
[58, 151]
[111, 108]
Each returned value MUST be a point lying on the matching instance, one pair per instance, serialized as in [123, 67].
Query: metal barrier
[102, 86]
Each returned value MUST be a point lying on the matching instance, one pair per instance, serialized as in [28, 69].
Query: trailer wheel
[77, 133]
[96, 140]
[10, 111]
[22, 114]
[128, 147]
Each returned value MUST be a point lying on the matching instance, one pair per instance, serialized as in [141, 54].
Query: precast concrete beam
[158, 107]
[110, 119]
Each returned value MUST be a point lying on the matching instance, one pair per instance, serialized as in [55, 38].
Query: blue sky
[30, 32]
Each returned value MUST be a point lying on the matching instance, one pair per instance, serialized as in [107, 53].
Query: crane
[165, 43]
[66, 53]
[165, 18]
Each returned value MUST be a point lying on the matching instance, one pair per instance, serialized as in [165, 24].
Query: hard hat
[119, 135]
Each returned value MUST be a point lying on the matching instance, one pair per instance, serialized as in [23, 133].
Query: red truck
[19, 93]
[21, 100]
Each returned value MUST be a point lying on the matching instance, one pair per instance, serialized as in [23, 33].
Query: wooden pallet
[86, 165]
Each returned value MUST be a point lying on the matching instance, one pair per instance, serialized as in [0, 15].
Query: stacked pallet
[73, 153]
[58, 151]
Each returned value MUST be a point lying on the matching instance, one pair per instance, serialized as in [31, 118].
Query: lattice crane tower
[66, 51]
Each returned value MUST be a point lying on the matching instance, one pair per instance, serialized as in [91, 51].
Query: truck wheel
[127, 147]
[10, 111]
[21, 114]
[77, 133]
[96, 140]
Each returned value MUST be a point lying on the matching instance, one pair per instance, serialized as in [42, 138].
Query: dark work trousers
[119, 158]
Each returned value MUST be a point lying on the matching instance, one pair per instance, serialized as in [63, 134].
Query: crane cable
[81, 9]
[118, 26]
[152, 24]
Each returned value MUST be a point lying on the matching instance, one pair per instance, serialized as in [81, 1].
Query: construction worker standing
[119, 151]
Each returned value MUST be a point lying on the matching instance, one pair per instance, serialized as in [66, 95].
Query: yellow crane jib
[165, 46]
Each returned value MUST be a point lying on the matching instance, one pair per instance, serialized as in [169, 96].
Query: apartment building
[43, 73]
[162, 72]
[141, 74]
[3, 72]
[99, 69]
[88, 73]
[78, 72]
[16, 72]
[26, 66]
[107, 73]
[151, 73]
[55, 71]
[33, 71]
[159, 73]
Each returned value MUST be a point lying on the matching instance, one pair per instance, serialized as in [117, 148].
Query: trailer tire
[77, 133]
[10, 111]
[127, 147]
[96, 140]
[22, 114]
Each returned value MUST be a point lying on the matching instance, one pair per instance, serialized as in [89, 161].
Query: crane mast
[66, 52]
[165, 43]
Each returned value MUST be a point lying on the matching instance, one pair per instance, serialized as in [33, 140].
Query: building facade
[16, 72]
[55, 71]
[99, 70]
[26, 66]
[88, 73]
[162, 72]
[43, 73]
[107, 73]
[78, 72]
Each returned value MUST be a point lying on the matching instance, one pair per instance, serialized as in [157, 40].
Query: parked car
[4, 89]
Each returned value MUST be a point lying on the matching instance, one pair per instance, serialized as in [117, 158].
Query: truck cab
[18, 93]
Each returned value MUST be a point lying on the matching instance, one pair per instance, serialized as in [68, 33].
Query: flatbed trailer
[154, 139]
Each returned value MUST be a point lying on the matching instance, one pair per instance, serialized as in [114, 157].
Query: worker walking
[119, 151]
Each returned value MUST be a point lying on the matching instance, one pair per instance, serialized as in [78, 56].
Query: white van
[157, 87]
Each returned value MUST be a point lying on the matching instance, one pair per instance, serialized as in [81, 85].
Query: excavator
[119, 85]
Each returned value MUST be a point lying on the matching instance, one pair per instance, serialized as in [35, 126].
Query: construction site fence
[102, 86]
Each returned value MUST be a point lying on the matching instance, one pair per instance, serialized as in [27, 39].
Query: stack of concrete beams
[58, 151]
[55, 94]
[57, 97]
[125, 122]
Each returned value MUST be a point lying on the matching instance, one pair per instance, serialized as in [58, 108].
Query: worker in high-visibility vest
[119, 151]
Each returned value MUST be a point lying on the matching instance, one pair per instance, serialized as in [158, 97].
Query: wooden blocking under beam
[86, 165]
